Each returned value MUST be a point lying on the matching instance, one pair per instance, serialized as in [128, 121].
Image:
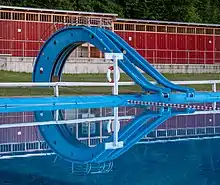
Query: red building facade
[24, 30]
[171, 42]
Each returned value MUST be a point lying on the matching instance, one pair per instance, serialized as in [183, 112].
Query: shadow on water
[174, 163]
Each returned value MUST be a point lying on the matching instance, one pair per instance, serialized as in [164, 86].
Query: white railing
[56, 85]
[32, 146]
[62, 122]
[63, 84]
[86, 120]
[98, 84]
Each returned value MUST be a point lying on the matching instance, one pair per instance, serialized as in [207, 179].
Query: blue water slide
[128, 131]
[143, 64]
[128, 67]
[145, 129]
[137, 129]
[49, 63]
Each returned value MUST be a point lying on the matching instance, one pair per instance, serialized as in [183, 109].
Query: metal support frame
[115, 144]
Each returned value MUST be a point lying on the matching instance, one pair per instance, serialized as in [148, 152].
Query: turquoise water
[179, 163]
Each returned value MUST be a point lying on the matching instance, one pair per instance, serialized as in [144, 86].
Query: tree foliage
[206, 11]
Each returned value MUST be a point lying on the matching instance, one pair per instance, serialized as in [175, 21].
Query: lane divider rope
[173, 105]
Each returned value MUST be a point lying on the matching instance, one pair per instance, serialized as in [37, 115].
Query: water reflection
[177, 127]
[180, 162]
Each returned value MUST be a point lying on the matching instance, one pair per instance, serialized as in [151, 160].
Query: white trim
[40, 10]
[155, 22]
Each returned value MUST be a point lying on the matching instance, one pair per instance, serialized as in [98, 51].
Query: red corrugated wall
[171, 48]
[20, 38]
[10, 135]
[210, 49]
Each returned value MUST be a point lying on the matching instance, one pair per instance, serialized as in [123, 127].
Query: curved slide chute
[144, 65]
[128, 67]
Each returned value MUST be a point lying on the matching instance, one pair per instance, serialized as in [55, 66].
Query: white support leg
[56, 95]
[115, 139]
[56, 91]
[57, 115]
[115, 144]
[214, 90]
[115, 60]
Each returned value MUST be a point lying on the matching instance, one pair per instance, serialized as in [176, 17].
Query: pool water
[183, 162]
[172, 163]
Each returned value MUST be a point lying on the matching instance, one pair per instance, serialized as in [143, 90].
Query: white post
[115, 57]
[214, 90]
[115, 92]
[57, 90]
[115, 140]
[115, 60]
[57, 115]
[56, 95]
